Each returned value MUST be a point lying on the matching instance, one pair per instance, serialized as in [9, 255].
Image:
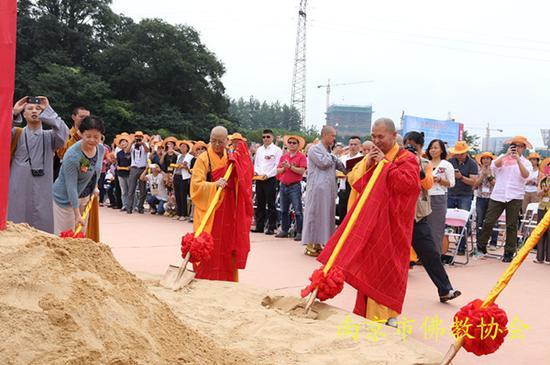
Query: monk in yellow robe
[230, 223]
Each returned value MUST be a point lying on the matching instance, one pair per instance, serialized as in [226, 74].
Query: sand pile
[65, 301]
[241, 317]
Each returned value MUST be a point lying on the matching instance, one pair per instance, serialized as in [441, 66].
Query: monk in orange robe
[230, 223]
[375, 257]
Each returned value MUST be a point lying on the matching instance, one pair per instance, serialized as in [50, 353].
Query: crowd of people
[303, 191]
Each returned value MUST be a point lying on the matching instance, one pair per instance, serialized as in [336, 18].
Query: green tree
[473, 141]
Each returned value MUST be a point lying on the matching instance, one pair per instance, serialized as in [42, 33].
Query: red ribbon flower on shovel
[70, 234]
[328, 286]
[483, 329]
[199, 247]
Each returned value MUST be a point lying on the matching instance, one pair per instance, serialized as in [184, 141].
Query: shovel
[176, 277]
[77, 233]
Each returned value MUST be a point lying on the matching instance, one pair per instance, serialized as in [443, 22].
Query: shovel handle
[183, 267]
[311, 299]
[214, 202]
[85, 214]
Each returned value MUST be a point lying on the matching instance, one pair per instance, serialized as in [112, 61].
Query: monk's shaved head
[327, 129]
[387, 123]
[219, 132]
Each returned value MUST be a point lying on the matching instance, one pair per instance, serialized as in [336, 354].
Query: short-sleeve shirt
[288, 176]
[509, 184]
[467, 169]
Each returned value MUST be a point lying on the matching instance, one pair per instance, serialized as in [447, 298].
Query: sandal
[311, 250]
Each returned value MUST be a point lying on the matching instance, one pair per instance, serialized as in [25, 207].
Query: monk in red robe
[375, 257]
[230, 223]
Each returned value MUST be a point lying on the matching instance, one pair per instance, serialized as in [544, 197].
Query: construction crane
[328, 86]
[488, 131]
[298, 93]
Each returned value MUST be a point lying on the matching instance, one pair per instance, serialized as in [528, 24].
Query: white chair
[458, 219]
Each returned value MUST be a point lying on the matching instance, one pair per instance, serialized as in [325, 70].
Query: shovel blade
[170, 278]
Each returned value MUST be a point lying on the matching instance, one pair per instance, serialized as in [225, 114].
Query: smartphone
[33, 100]
[513, 147]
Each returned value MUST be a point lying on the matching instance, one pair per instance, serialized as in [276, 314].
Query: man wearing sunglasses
[265, 165]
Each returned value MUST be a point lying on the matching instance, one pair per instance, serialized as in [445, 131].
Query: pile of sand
[241, 317]
[66, 301]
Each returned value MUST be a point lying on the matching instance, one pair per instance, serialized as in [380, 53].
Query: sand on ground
[68, 301]
[242, 317]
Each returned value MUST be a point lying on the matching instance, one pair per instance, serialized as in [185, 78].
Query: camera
[38, 172]
[33, 100]
[410, 148]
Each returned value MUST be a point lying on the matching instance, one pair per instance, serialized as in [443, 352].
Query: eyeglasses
[265, 137]
[292, 142]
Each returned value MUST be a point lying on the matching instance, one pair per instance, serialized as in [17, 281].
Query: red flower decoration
[200, 247]
[329, 286]
[70, 234]
[483, 329]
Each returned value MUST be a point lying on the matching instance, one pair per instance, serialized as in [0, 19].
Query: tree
[473, 141]
[150, 76]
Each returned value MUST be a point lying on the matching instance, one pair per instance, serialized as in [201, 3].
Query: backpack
[14, 140]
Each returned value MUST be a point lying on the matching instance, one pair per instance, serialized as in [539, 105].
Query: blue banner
[446, 130]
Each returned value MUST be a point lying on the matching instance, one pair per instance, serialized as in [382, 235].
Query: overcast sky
[482, 61]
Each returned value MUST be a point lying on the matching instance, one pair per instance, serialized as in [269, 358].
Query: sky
[484, 62]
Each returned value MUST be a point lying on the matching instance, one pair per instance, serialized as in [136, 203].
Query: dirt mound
[66, 301]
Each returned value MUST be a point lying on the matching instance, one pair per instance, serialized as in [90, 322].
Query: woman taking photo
[444, 178]
[78, 177]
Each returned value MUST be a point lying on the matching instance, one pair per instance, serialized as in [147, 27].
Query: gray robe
[30, 197]
[321, 189]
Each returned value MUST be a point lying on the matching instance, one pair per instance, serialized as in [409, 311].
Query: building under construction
[350, 120]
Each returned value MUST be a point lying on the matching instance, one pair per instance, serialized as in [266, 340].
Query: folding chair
[457, 220]
[527, 223]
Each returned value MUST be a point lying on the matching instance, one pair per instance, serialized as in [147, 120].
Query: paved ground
[147, 243]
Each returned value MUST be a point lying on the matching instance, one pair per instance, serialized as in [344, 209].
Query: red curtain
[8, 17]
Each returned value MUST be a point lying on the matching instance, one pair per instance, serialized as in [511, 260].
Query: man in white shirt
[511, 172]
[344, 189]
[265, 165]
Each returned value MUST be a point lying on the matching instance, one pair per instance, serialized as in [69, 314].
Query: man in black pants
[422, 241]
[265, 165]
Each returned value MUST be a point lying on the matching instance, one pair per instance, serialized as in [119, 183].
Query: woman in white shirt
[444, 178]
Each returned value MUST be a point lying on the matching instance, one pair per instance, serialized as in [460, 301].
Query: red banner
[8, 17]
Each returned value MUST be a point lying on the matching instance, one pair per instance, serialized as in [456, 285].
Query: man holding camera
[31, 171]
[511, 172]
[138, 152]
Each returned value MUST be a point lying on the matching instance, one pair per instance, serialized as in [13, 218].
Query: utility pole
[298, 94]
[488, 136]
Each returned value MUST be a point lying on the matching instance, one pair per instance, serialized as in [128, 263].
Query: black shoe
[257, 231]
[269, 232]
[281, 235]
[507, 258]
[129, 211]
[140, 211]
[153, 212]
[298, 237]
[482, 249]
[450, 296]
